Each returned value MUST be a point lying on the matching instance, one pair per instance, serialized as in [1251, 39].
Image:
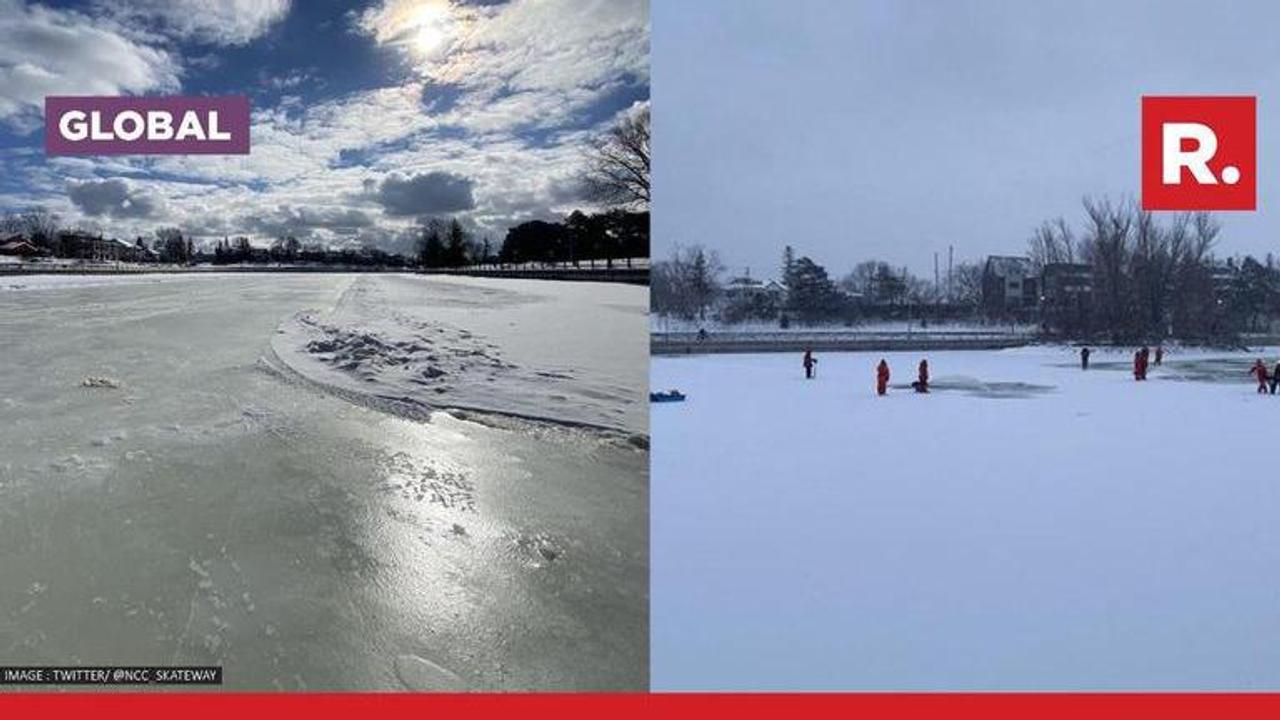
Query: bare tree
[10, 224]
[37, 225]
[618, 172]
[968, 284]
[174, 248]
[687, 284]
[1052, 242]
[1108, 248]
[1195, 312]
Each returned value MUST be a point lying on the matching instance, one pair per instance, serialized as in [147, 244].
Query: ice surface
[212, 510]
[1072, 530]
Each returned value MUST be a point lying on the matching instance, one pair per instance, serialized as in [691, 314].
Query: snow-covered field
[1025, 526]
[172, 492]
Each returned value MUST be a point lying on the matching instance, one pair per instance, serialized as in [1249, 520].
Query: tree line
[691, 284]
[1149, 277]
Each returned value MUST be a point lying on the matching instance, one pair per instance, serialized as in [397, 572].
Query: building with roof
[1010, 284]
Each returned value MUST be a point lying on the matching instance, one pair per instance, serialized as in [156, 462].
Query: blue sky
[367, 116]
[860, 129]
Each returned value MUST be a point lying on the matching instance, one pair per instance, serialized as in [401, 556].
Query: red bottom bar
[223, 706]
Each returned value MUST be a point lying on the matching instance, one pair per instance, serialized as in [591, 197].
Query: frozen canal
[218, 499]
[1025, 526]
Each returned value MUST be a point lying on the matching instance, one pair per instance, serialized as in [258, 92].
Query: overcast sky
[888, 130]
[368, 115]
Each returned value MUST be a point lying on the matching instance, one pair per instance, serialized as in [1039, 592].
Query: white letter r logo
[1197, 160]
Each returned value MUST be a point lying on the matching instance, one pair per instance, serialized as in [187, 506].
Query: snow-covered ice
[70, 281]
[208, 506]
[568, 352]
[1025, 526]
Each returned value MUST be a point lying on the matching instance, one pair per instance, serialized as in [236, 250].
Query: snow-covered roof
[1009, 266]
[19, 246]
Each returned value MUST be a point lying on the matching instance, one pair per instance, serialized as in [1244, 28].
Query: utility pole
[950, 258]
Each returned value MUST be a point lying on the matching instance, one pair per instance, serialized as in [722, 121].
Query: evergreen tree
[431, 248]
[702, 281]
[811, 295]
[456, 244]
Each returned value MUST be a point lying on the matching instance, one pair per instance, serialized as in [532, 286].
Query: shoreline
[633, 276]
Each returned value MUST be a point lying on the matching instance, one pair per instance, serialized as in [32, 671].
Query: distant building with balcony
[1066, 283]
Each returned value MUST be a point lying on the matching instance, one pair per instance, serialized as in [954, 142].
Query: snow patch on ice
[412, 479]
[380, 345]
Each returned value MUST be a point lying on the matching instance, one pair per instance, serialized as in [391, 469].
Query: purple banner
[146, 125]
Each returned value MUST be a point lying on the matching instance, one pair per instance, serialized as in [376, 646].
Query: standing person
[1159, 355]
[921, 384]
[1084, 358]
[1146, 361]
[809, 362]
[1259, 371]
[882, 377]
[1275, 378]
[1137, 364]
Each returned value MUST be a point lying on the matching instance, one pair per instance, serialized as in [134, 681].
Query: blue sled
[669, 396]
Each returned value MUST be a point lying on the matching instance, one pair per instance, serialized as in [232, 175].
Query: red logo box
[1199, 153]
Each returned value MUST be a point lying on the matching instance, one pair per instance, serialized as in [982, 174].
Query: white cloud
[297, 178]
[220, 22]
[56, 52]
[421, 26]
[551, 45]
[528, 62]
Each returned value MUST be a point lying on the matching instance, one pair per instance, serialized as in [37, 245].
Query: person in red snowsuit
[882, 377]
[1259, 371]
[921, 384]
[809, 362]
[1140, 360]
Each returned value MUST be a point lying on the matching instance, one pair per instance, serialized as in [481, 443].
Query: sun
[429, 28]
[427, 38]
